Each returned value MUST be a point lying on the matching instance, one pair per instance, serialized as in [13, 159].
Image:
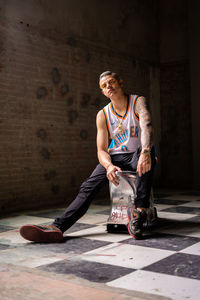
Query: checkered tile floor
[166, 262]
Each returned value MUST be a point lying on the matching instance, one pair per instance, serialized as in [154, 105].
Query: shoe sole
[129, 221]
[35, 234]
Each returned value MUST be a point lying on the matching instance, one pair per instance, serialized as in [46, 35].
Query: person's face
[110, 85]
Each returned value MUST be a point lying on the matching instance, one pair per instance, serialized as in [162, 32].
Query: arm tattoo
[145, 122]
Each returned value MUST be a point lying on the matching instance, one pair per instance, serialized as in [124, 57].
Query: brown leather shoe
[41, 234]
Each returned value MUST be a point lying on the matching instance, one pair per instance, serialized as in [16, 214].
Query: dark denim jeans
[90, 187]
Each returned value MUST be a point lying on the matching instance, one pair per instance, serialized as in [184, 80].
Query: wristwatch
[146, 151]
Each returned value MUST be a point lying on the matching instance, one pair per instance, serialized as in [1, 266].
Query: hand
[144, 163]
[111, 174]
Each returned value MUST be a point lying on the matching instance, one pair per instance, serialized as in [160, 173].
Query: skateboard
[123, 196]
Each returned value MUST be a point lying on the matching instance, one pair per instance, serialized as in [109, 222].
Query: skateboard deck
[123, 196]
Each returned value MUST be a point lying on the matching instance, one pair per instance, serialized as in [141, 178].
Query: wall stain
[70, 101]
[111, 53]
[41, 92]
[1, 47]
[27, 169]
[3, 208]
[73, 181]
[64, 89]
[71, 41]
[55, 74]
[83, 134]
[85, 100]
[50, 175]
[76, 57]
[97, 102]
[44, 152]
[41, 133]
[55, 189]
[88, 57]
[134, 63]
[72, 116]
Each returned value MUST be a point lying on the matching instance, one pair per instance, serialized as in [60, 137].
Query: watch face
[146, 151]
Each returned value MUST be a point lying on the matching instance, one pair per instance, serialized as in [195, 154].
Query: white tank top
[128, 141]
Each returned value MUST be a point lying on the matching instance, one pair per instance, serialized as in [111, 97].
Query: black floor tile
[4, 247]
[161, 195]
[78, 227]
[4, 228]
[164, 241]
[179, 264]
[69, 245]
[92, 271]
[184, 210]
[102, 201]
[194, 220]
[169, 202]
[171, 225]
[52, 214]
[104, 212]
[192, 193]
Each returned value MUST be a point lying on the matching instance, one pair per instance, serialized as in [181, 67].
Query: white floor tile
[30, 257]
[125, 255]
[93, 219]
[97, 208]
[23, 220]
[160, 207]
[99, 233]
[176, 288]
[175, 216]
[194, 249]
[191, 204]
[190, 231]
[183, 197]
[12, 237]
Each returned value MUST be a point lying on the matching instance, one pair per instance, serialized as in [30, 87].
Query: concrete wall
[51, 55]
[194, 42]
[176, 131]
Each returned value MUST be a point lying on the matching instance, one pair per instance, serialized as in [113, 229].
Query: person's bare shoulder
[100, 113]
[100, 119]
[141, 105]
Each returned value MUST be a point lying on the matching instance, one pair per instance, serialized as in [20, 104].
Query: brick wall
[51, 55]
[49, 100]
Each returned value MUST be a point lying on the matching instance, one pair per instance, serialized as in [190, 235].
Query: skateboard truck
[123, 196]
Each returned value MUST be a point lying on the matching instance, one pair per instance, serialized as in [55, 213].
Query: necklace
[120, 127]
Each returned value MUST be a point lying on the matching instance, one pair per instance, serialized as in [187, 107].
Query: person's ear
[102, 91]
[121, 82]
